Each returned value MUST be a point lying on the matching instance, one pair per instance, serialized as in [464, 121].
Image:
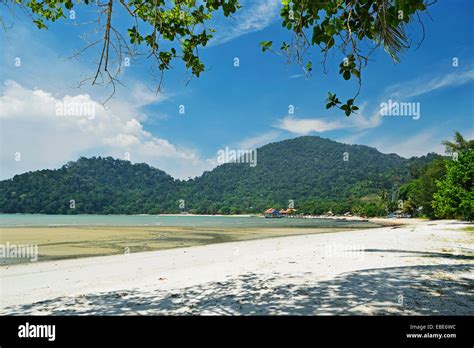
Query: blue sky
[239, 107]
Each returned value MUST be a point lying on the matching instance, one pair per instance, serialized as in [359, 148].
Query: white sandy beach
[423, 267]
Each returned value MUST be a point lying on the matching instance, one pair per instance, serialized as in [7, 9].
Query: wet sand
[56, 243]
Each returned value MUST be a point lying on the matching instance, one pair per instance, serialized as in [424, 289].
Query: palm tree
[390, 33]
[459, 144]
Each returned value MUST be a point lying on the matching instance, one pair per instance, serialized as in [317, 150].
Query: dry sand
[422, 267]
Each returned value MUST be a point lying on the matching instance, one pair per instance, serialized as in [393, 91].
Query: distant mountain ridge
[300, 170]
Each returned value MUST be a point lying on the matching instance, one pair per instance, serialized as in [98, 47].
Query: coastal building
[272, 213]
[275, 213]
[288, 212]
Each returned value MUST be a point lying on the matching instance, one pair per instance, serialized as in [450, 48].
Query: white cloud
[305, 126]
[31, 126]
[418, 87]
[142, 95]
[253, 16]
[352, 139]
[258, 140]
[296, 76]
[360, 121]
[417, 145]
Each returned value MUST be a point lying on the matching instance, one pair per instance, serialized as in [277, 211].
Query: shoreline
[428, 263]
[384, 221]
[250, 215]
[55, 243]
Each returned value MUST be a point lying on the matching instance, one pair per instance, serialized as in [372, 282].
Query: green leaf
[266, 45]
[330, 43]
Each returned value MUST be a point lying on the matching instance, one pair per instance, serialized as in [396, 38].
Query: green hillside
[309, 170]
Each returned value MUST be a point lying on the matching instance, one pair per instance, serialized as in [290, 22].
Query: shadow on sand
[427, 290]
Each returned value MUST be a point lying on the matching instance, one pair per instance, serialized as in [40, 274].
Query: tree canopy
[454, 197]
[352, 28]
[443, 188]
[459, 145]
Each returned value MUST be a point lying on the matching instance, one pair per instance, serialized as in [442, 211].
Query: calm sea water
[11, 220]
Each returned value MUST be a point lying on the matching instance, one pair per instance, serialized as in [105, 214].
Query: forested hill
[94, 186]
[303, 169]
[308, 170]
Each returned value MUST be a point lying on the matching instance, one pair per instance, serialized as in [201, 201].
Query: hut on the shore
[288, 212]
[272, 213]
